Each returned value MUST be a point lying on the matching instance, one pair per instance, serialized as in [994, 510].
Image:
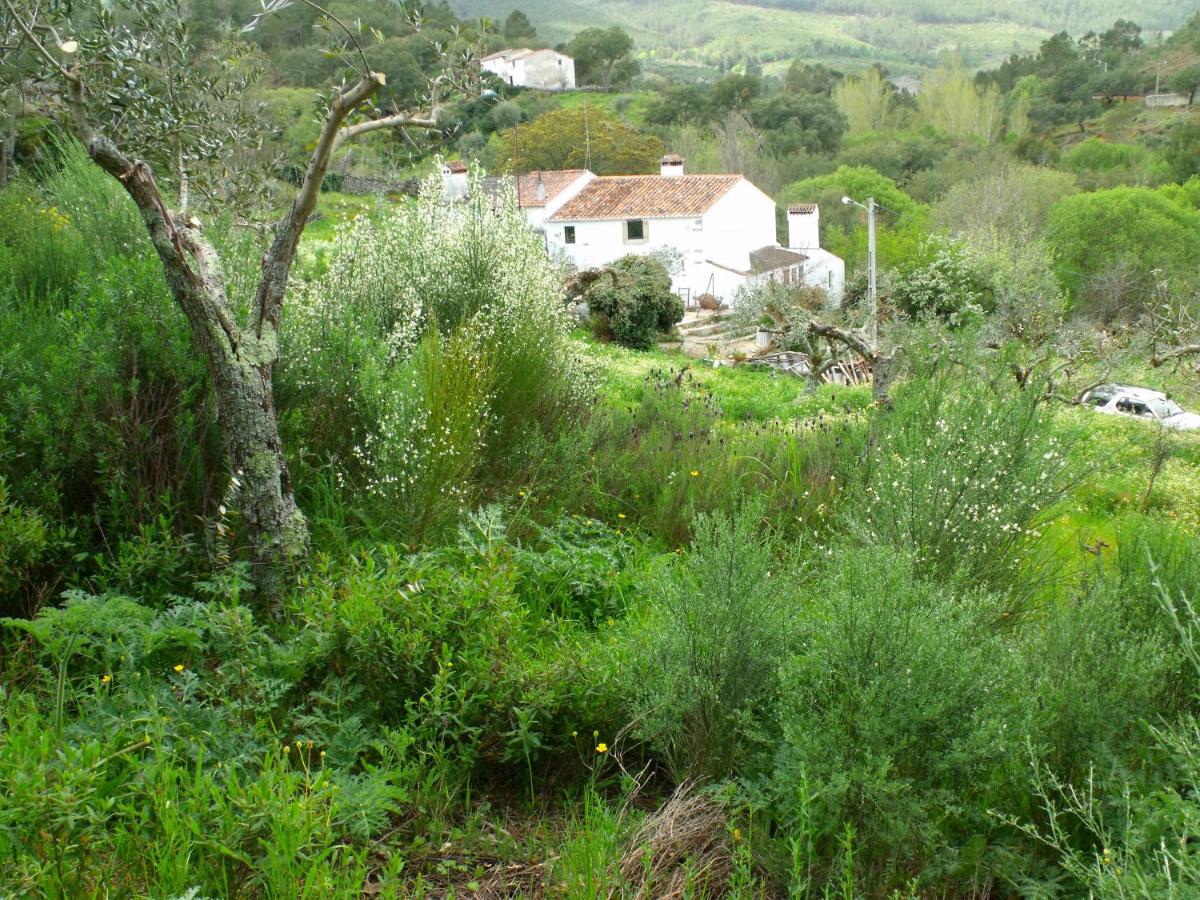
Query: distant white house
[545, 70]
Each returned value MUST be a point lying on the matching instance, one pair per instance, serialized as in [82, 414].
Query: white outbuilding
[545, 70]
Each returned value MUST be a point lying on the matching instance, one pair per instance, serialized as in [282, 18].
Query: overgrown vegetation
[581, 620]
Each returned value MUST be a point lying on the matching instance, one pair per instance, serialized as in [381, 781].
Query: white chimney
[804, 232]
[455, 179]
[671, 166]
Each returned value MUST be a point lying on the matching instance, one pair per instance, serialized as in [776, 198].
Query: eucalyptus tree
[153, 114]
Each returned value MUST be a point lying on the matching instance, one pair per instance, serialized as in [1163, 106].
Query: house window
[569, 234]
[635, 231]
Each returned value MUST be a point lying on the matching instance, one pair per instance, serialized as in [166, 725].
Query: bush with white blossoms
[434, 338]
[948, 282]
[963, 474]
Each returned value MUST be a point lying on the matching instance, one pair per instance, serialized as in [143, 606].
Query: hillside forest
[351, 545]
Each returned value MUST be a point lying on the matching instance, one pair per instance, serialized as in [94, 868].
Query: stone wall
[374, 184]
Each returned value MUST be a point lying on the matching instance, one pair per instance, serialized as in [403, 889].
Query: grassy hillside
[905, 37]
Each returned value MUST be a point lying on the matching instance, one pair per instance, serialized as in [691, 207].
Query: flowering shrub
[432, 341]
[962, 475]
[949, 284]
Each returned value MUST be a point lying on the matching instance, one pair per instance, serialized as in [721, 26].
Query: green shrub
[1101, 163]
[1096, 680]
[636, 303]
[946, 282]
[581, 569]
[1130, 833]
[106, 421]
[961, 475]
[898, 716]
[704, 660]
[440, 645]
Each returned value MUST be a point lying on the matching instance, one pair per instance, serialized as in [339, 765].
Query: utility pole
[1157, 74]
[871, 300]
[872, 307]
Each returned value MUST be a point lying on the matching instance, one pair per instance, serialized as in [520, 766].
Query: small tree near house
[130, 89]
[634, 304]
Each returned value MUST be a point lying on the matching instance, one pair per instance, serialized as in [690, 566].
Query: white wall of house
[715, 247]
[542, 69]
[550, 71]
[821, 269]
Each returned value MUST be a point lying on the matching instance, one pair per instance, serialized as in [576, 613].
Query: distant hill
[906, 35]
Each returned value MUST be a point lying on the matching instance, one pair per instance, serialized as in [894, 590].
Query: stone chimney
[454, 179]
[804, 231]
[671, 166]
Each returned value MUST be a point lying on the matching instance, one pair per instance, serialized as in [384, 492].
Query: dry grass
[683, 849]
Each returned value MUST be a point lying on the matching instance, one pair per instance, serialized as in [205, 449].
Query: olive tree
[131, 87]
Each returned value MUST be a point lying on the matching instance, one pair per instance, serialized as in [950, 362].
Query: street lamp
[873, 325]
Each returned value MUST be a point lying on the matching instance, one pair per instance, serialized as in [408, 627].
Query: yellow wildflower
[105, 679]
[602, 747]
[179, 667]
[620, 515]
[695, 473]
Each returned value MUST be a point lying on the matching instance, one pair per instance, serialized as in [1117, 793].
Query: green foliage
[898, 716]
[1104, 164]
[517, 27]
[107, 431]
[1182, 151]
[1136, 227]
[636, 302]
[444, 645]
[948, 283]
[962, 477]
[704, 659]
[570, 137]
[899, 155]
[603, 56]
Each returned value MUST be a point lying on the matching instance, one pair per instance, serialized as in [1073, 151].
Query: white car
[1121, 399]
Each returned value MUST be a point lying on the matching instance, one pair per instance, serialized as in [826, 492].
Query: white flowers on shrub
[961, 476]
[950, 284]
[453, 315]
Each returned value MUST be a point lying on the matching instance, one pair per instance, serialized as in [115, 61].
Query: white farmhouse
[720, 227]
[545, 70]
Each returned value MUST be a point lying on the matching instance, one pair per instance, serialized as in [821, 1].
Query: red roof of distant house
[802, 209]
[646, 196]
[456, 165]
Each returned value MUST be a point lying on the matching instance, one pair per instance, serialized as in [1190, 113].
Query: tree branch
[277, 262]
[1184, 350]
[400, 120]
[37, 44]
[842, 336]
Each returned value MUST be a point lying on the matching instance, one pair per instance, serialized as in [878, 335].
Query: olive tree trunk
[241, 357]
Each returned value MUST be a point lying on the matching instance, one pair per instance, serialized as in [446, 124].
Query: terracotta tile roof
[802, 209]
[646, 197]
[554, 182]
[673, 159]
[456, 165]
